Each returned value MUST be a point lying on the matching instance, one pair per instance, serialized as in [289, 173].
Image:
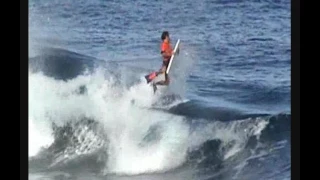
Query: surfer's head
[165, 36]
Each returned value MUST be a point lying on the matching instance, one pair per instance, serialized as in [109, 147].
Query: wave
[197, 143]
[89, 116]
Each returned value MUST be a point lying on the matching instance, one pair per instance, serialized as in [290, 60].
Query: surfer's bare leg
[165, 82]
[161, 71]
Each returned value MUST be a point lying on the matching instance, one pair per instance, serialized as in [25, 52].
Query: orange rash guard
[166, 49]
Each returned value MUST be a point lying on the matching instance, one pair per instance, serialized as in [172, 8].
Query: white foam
[39, 136]
[233, 135]
[127, 157]
[124, 123]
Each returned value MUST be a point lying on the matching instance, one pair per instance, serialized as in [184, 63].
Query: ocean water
[225, 115]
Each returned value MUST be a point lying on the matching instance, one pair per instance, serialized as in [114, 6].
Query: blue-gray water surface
[229, 117]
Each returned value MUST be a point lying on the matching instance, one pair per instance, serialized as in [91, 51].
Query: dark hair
[164, 35]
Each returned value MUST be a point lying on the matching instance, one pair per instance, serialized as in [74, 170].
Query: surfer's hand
[178, 50]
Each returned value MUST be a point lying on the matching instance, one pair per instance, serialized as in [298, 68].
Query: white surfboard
[172, 57]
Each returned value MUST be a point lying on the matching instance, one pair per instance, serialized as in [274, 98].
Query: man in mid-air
[166, 52]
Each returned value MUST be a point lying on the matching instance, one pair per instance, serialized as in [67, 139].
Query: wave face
[225, 115]
[89, 122]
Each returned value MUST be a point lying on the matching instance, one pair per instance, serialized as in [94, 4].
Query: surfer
[166, 52]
